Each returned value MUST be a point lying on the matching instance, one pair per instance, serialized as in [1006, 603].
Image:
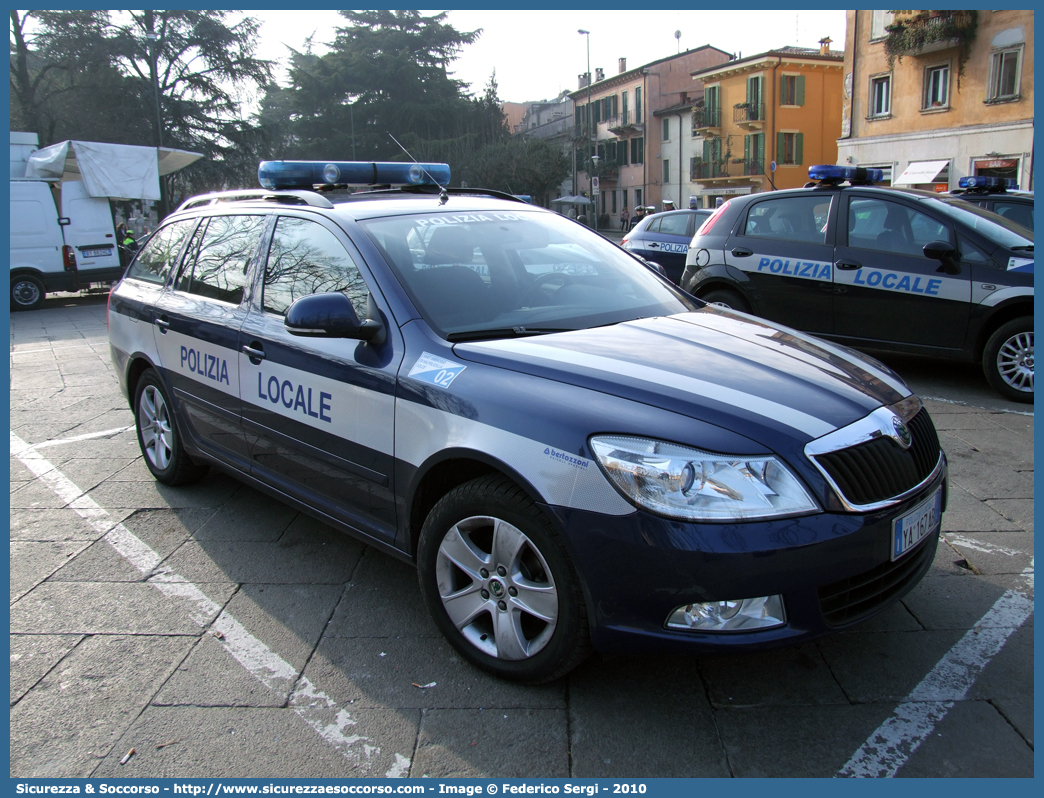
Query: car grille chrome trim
[870, 465]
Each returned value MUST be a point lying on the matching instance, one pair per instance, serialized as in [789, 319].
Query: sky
[538, 53]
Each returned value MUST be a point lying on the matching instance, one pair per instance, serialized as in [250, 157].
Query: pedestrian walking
[624, 219]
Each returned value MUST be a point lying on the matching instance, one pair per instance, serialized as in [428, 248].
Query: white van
[52, 251]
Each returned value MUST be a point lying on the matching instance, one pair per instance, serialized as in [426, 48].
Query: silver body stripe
[215, 366]
[561, 478]
[722, 323]
[803, 422]
[348, 411]
[996, 297]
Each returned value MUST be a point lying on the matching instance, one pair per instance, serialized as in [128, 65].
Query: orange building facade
[780, 108]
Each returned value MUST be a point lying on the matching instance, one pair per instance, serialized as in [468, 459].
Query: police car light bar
[853, 174]
[980, 181]
[306, 174]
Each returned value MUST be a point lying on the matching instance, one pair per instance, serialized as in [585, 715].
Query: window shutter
[750, 90]
[797, 147]
[783, 90]
[746, 148]
[761, 149]
[800, 90]
[781, 147]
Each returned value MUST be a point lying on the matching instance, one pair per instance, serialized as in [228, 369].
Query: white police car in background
[572, 451]
[878, 268]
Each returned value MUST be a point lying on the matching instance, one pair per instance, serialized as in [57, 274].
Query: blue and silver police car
[573, 452]
[885, 269]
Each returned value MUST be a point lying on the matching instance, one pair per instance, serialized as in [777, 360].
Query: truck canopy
[117, 171]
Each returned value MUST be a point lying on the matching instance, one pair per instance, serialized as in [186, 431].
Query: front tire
[158, 434]
[499, 583]
[27, 292]
[1008, 359]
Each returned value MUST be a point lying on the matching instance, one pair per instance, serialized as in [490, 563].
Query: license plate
[910, 529]
[95, 253]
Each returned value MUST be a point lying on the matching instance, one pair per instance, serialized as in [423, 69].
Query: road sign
[594, 183]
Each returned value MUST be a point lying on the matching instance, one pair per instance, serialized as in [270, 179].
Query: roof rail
[288, 197]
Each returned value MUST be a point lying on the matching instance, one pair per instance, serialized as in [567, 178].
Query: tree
[519, 166]
[387, 73]
[170, 78]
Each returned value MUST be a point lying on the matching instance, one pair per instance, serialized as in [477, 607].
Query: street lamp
[590, 126]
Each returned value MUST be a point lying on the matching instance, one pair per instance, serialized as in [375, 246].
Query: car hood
[719, 366]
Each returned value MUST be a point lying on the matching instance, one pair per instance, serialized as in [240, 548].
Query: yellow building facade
[933, 96]
[781, 107]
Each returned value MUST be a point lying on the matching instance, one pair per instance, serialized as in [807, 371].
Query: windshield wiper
[1029, 248]
[504, 332]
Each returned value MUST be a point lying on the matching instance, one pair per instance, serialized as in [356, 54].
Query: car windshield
[995, 227]
[505, 273]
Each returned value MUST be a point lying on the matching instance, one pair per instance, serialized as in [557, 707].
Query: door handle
[742, 252]
[163, 323]
[848, 265]
[255, 355]
[653, 245]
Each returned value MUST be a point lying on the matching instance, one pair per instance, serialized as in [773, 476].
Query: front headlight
[693, 485]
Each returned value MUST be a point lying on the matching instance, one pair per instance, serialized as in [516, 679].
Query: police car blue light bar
[850, 173]
[306, 174]
[981, 181]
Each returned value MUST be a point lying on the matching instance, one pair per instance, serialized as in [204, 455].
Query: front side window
[881, 96]
[887, 226]
[1016, 212]
[936, 87]
[159, 255]
[789, 219]
[305, 258]
[219, 258]
[1004, 80]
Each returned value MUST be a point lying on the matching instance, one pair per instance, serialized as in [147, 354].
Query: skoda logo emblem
[902, 432]
[496, 588]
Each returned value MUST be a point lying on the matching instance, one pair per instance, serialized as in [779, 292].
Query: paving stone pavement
[220, 633]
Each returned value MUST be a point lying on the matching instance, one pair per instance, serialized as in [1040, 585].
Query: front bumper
[636, 569]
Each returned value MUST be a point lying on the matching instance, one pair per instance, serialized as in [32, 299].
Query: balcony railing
[706, 117]
[748, 112]
[704, 170]
[754, 167]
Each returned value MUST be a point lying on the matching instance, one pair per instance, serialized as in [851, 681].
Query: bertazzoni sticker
[436, 370]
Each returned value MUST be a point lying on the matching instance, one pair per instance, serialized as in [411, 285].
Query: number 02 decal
[436, 370]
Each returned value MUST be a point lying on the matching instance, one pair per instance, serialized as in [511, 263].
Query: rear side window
[789, 219]
[674, 225]
[219, 258]
[1017, 212]
[158, 257]
[305, 258]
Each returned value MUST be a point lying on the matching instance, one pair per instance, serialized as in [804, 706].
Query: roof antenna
[443, 194]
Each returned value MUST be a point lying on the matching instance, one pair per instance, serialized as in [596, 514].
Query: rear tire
[27, 292]
[1008, 359]
[725, 298]
[158, 434]
[499, 584]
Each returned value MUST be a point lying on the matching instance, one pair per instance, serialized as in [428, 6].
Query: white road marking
[979, 545]
[85, 437]
[895, 740]
[331, 722]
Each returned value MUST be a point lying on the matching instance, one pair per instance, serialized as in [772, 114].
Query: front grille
[862, 595]
[880, 469]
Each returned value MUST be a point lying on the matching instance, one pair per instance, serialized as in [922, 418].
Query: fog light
[740, 615]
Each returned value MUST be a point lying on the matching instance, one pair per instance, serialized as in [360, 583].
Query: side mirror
[330, 315]
[654, 266]
[945, 253]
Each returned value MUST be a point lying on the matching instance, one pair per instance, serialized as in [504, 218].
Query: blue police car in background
[879, 268]
[574, 453]
[997, 194]
[664, 238]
